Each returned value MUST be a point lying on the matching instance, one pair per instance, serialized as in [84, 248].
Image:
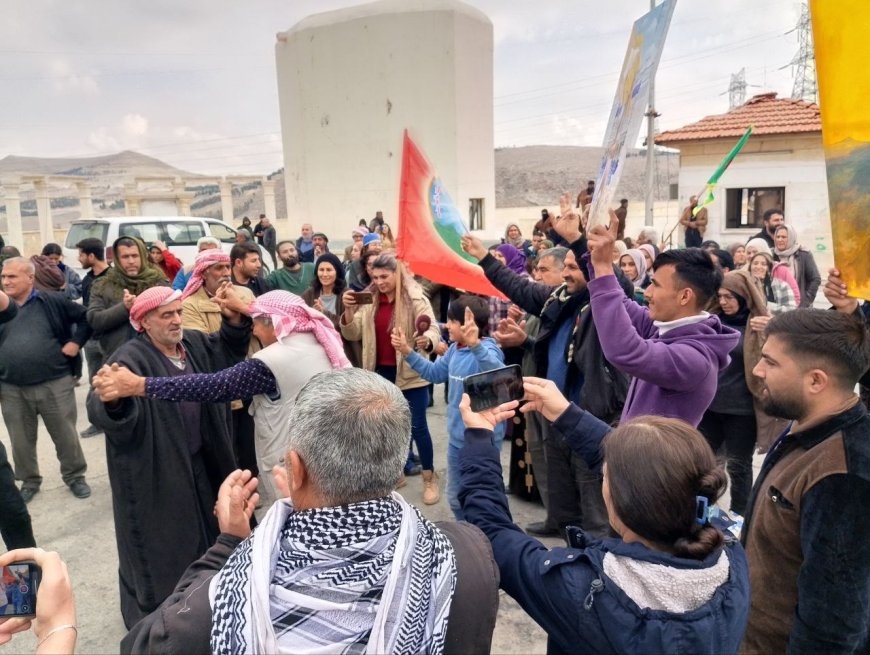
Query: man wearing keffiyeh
[343, 564]
[297, 341]
[165, 460]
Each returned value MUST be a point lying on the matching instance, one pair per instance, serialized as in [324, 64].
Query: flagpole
[650, 147]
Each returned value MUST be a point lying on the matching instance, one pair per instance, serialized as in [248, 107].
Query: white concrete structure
[784, 151]
[350, 81]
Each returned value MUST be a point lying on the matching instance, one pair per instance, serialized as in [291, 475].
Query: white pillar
[14, 230]
[269, 206]
[182, 201]
[86, 203]
[227, 209]
[43, 208]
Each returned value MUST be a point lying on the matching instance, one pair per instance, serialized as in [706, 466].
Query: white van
[179, 233]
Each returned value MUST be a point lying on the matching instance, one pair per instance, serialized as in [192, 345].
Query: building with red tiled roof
[781, 166]
[765, 112]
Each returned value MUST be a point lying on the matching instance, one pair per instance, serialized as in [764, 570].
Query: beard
[785, 406]
[290, 262]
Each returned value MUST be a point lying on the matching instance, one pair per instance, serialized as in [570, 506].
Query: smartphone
[492, 388]
[18, 585]
[363, 297]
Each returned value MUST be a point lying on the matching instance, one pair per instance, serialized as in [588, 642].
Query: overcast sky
[192, 82]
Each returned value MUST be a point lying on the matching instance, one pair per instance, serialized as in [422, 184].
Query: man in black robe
[166, 461]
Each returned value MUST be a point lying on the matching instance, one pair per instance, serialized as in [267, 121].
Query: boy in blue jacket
[467, 319]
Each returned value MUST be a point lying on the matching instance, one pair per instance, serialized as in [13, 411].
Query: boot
[402, 482]
[431, 492]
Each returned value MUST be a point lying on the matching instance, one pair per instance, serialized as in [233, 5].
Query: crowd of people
[258, 429]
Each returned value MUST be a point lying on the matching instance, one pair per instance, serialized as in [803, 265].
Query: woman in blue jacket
[672, 583]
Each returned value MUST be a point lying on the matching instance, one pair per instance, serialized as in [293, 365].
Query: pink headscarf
[290, 315]
[149, 300]
[204, 260]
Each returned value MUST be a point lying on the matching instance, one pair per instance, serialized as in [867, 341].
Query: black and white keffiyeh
[370, 577]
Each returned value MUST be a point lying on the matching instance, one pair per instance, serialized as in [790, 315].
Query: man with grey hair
[38, 348]
[344, 563]
[648, 235]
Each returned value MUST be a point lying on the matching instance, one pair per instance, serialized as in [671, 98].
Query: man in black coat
[566, 350]
[166, 461]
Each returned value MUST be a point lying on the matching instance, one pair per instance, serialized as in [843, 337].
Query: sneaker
[431, 492]
[27, 493]
[413, 469]
[90, 431]
[80, 488]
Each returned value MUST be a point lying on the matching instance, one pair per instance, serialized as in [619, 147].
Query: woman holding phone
[672, 582]
[397, 301]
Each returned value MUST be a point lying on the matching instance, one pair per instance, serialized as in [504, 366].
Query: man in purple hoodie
[673, 349]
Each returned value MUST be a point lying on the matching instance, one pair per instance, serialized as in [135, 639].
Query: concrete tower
[350, 81]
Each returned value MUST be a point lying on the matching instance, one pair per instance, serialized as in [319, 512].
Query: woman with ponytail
[671, 582]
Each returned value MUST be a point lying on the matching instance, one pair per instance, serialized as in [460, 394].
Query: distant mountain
[527, 176]
[104, 169]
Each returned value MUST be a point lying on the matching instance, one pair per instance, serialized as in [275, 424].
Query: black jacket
[603, 387]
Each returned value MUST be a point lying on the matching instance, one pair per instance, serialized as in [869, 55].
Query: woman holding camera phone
[397, 301]
[672, 581]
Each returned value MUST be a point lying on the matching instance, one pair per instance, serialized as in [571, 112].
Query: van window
[222, 232]
[89, 230]
[183, 233]
[148, 232]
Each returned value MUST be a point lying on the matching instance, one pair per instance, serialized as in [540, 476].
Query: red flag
[431, 229]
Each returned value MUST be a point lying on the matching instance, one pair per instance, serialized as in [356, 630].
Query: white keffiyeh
[370, 577]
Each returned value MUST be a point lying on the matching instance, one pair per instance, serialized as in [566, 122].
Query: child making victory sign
[467, 320]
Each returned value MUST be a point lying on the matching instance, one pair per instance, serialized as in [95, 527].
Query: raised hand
[567, 225]
[837, 293]
[349, 302]
[115, 382]
[488, 418]
[543, 396]
[473, 246]
[600, 242]
[515, 312]
[128, 299]
[237, 499]
[510, 334]
[470, 331]
[400, 343]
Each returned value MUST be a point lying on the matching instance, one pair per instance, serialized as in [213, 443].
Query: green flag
[714, 178]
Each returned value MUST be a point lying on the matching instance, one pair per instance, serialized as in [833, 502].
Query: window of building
[744, 208]
[475, 213]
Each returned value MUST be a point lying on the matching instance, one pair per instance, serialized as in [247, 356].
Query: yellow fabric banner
[842, 49]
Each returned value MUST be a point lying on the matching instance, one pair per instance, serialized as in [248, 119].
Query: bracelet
[60, 628]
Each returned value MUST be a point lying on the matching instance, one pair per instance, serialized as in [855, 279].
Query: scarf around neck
[117, 280]
[787, 256]
[369, 577]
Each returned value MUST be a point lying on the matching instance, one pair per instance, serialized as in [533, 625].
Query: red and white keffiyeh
[290, 314]
[149, 300]
[204, 260]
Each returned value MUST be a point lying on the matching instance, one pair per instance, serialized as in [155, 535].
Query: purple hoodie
[675, 375]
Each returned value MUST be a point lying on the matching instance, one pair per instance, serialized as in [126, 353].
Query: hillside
[535, 175]
[527, 176]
